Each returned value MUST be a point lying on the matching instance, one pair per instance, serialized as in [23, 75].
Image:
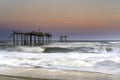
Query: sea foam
[83, 56]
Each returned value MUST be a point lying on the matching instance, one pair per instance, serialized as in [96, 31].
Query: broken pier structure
[31, 38]
[63, 38]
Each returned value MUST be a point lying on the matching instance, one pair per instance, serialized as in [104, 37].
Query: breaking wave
[101, 57]
[79, 47]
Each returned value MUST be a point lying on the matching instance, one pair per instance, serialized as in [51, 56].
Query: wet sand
[8, 73]
[3, 77]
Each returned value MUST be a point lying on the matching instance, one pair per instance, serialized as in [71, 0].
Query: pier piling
[63, 38]
[30, 38]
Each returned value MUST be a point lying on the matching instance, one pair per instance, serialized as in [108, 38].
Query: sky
[79, 19]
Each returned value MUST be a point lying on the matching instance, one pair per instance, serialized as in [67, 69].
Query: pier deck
[31, 38]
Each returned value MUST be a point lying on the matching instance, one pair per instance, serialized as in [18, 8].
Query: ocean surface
[92, 56]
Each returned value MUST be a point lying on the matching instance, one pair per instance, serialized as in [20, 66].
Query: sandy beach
[50, 74]
[19, 78]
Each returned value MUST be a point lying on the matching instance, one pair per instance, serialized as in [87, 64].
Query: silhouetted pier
[63, 38]
[31, 38]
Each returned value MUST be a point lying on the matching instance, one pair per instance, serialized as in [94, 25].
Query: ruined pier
[31, 38]
[63, 38]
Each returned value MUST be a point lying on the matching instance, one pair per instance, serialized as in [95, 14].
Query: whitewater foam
[95, 57]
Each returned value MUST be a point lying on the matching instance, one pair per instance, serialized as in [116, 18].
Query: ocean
[92, 56]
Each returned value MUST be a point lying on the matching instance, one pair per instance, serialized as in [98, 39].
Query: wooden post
[34, 39]
[26, 39]
[13, 38]
[39, 40]
[42, 39]
[21, 39]
[50, 38]
[17, 39]
[46, 39]
[30, 40]
[61, 39]
[65, 38]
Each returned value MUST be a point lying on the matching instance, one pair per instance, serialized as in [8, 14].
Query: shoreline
[51, 74]
[4, 77]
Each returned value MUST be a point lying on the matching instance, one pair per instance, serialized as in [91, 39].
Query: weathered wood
[42, 39]
[21, 39]
[24, 39]
[27, 40]
[63, 38]
[13, 38]
[35, 40]
[31, 38]
[16, 39]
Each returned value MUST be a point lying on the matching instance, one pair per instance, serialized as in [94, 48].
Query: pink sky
[89, 17]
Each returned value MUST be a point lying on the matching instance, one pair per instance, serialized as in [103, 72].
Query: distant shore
[51, 74]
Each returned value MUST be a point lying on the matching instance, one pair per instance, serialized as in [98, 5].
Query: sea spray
[81, 56]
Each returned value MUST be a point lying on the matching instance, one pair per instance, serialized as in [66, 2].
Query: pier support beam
[34, 40]
[30, 40]
[22, 39]
[63, 38]
[39, 40]
[14, 38]
[42, 39]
